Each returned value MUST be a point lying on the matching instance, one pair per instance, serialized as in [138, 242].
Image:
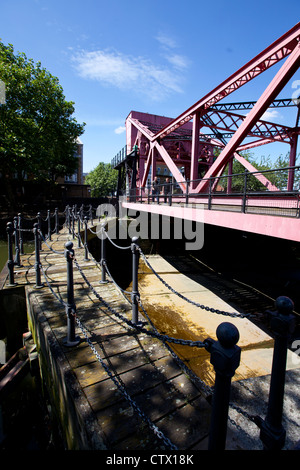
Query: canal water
[28, 248]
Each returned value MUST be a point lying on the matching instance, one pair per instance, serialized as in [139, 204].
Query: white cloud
[270, 114]
[166, 41]
[136, 74]
[178, 61]
[120, 130]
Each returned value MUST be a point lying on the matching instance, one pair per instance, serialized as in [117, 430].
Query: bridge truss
[179, 143]
[201, 144]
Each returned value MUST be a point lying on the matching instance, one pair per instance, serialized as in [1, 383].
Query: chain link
[196, 304]
[121, 387]
[154, 333]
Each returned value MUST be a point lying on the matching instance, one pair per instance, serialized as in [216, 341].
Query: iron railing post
[71, 339]
[86, 256]
[39, 221]
[49, 224]
[209, 193]
[17, 243]
[91, 214]
[20, 234]
[225, 357]
[245, 191]
[135, 291]
[78, 230]
[36, 232]
[272, 433]
[68, 216]
[73, 223]
[103, 255]
[56, 220]
[187, 192]
[10, 261]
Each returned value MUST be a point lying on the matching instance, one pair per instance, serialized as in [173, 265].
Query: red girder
[230, 122]
[202, 113]
[281, 48]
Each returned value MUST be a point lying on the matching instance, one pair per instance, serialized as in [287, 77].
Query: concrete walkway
[103, 418]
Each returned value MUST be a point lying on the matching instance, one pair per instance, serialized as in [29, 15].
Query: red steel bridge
[197, 149]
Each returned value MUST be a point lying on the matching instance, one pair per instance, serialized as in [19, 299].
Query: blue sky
[115, 56]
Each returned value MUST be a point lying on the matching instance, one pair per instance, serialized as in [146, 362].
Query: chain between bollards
[71, 339]
[103, 255]
[37, 242]
[10, 262]
[86, 256]
[135, 290]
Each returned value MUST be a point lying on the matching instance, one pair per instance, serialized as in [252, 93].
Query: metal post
[91, 214]
[71, 339]
[272, 433]
[36, 233]
[210, 193]
[17, 245]
[73, 223]
[86, 257]
[39, 221]
[225, 357]
[103, 255]
[69, 218]
[187, 192]
[78, 230]
[49, 225]
[135, 292]
[10, 262]
[20, 234]
[245, 191]
[56, 220]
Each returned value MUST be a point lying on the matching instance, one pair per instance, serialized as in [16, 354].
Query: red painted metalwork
[187, 153]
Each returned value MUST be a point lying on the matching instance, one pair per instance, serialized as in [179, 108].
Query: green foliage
[37, 131]
[277, 178]
[103, 180]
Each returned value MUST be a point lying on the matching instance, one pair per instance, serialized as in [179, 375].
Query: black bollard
[17, 244]
[49, 224]
[39, 221]
[36, 233]
[86, 257]
[78, 230]
[73, 224]
[56, 220]
[20, 234]
[71, 339]
[10, 261]
[91, 214]
[272, 433]
[103, 255]
[225, 357]
[135, 291]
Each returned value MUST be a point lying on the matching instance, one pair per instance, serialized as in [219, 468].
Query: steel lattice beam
[277, 51]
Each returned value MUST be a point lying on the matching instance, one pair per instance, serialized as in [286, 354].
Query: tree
[103, 180]
[278, 178]
[37, 129]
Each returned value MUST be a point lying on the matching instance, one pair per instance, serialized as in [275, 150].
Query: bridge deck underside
[272, 218]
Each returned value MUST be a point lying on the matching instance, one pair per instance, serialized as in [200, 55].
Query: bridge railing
[262, 191]
[224, 352]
